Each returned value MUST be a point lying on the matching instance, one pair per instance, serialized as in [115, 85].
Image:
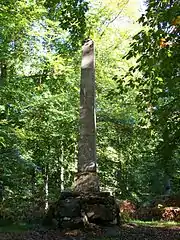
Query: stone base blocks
[77, 210]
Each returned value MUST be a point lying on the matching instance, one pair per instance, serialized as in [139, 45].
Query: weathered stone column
[87, 179]
[85, 205]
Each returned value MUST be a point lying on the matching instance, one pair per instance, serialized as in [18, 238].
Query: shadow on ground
[126, 232]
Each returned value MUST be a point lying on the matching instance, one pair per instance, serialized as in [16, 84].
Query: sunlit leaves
[156, 48]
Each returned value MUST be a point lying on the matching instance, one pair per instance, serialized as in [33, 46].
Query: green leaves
[137, 96]
[157, 51]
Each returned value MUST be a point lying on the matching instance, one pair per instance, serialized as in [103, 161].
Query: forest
[137, 74]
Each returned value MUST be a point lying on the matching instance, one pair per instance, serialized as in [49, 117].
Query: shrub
[127, 210]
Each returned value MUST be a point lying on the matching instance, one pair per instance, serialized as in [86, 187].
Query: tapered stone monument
[85, 204]
[87, 179]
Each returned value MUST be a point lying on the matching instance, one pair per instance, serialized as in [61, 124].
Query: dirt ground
[126, 232]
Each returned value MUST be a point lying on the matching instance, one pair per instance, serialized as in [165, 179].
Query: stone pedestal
[78, 210]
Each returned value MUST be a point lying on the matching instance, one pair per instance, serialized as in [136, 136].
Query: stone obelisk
[86, 178]
[85, 204]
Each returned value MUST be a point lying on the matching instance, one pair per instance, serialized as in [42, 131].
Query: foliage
[137, 115]
[39, 97]
[127, 210]
[157, 84]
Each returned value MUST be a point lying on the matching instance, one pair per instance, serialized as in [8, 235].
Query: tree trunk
[167, 185]
[3, 72]
[46, 185]
[62, 169]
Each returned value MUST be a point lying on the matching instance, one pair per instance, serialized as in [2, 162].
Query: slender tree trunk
[46, 184]
[33, 181]
[167, 185]
[3, 76]
[3, 72]
[62, 169]
[1, 186]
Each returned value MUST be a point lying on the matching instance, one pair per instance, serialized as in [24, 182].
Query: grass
[156, 223]
[19, 227]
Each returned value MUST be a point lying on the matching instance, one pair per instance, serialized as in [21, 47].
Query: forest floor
[129, 231]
